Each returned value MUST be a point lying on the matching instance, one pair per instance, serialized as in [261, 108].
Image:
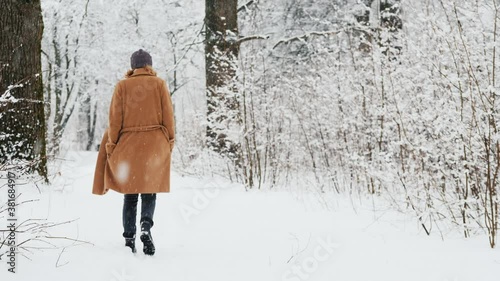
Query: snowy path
[233, 235]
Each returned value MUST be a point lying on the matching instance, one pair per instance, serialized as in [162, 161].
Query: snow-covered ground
[210, 229]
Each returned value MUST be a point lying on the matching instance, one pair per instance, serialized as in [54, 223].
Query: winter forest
[372, 125]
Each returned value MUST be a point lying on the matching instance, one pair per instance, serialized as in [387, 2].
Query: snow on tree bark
[221, 53]
[22, 119]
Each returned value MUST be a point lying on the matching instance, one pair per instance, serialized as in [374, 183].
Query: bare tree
[65, 85]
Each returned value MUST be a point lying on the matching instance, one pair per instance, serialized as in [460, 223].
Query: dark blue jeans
[148, 204]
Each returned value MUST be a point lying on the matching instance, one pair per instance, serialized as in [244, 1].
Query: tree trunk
[87, 118]
[221, 53]
[22, 129]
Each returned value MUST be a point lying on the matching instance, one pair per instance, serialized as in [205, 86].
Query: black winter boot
[130, 242]
[147, 239]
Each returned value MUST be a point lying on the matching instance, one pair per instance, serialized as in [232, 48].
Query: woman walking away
[134, 156]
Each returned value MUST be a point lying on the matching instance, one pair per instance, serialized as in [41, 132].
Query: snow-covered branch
[306, 36]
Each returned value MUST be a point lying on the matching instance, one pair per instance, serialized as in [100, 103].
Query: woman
[134, 156]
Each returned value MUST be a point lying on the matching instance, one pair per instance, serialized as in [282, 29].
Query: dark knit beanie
[140, 59]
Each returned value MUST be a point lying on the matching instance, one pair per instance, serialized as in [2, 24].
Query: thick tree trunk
[221, 53]
[22, 120]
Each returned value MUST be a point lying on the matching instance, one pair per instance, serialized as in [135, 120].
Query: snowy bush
[405, 111]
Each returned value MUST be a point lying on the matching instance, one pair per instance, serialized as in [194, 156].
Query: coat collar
[141, 71]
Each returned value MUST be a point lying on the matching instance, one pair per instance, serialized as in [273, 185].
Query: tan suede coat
[135, 152]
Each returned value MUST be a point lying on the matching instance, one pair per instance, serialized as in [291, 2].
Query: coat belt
[147, 128]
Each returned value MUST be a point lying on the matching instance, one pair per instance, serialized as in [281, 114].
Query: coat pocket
[110, 147]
